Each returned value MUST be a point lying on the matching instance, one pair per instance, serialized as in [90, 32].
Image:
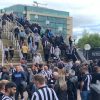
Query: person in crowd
[63, 47]
[52, 51]
[37, 59]
[44, 92]
[34, 69]
[96, 75]
[41, 70]
[16, 31]
[44, 41]
[2, 90]
[71, 80]
[85, 83]
[3, 24]
[50, 34]
[31, 88]
[37, 40]
[57, 40]
[53, 79]
[22, 36]
[70, 42]
[2, 87]
[33, 49]
[6, 53]
[25, 50]
[27, 31]
[4, 17]
[10, 90]
[57, 52]
[11, 52]
[61, 85]
[23, 62]
[18, 77]
[11, 69]
[5, 74]
[11, 16]
[30, 41]
[74, 53]
[48, 71]
[76, 67]
[46, 53]
[1, 30]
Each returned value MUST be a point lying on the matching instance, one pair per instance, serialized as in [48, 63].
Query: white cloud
[84, 12]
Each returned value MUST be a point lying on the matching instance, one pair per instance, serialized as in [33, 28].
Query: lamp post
[87, 47]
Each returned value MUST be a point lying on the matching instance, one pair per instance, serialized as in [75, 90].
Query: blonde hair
[61, 71]
[62, 82]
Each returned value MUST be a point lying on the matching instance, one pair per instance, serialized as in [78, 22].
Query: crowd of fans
[59, 76]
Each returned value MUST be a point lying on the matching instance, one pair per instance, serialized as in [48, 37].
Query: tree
[92, 39]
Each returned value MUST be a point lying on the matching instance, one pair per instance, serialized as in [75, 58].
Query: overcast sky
[85, 13]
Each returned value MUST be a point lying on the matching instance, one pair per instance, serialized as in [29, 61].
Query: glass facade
[54, 23]
[57, 20]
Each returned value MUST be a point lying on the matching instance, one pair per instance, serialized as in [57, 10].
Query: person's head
[10, 89]
[97, 69]
[40, 67]
[39, 80]
[84, 69]
[10, 47]
[55, 69]
[55, 75]
[29, 69]
[2, 87]
[18, 68]
[4, 69]
[11, 65]
[24, 44]
[62, 71]
[45, 67]
[33, 67]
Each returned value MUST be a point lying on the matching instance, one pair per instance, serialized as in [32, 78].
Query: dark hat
[60, 65]
[40, 65]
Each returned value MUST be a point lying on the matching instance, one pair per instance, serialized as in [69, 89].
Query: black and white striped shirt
[4, 97]
[44, 93]
[87, 81]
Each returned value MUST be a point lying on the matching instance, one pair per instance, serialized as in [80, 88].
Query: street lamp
[87, 47]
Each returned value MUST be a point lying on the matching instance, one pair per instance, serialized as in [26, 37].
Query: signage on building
[94, 53]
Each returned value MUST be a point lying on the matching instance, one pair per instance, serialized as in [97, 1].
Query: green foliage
[92, 39]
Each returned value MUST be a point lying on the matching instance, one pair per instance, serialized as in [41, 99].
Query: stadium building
[59, 21]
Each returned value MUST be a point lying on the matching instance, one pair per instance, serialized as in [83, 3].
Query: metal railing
[2, 50]
[40, 42]
[21, 27]
[10, 35]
